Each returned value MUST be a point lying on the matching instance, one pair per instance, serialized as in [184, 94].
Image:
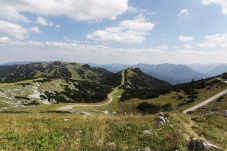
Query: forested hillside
[55, 69]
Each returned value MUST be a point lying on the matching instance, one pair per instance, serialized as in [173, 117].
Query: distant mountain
[203, 68]
[55, 69]
[18, 63]
[171, 73]
[3, 67]
[217, 71]
[111, 67]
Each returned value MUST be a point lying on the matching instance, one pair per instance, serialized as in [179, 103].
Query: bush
[148, 108]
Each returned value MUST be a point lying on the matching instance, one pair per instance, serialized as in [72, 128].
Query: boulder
[161, 119]
[147, 132]
[106, 112]
[209, 146]
[225, 113]
[200, 145]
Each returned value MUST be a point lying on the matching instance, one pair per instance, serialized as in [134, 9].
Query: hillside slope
[55, 69]
[134, 78]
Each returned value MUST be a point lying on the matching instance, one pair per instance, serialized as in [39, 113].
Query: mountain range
[63, 82]
[171, 73]
[55, 69]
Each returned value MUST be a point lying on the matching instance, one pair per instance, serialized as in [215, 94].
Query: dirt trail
[70, 107]
[188, 127]
[205, 102]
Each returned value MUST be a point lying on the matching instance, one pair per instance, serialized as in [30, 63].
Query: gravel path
[205, 102]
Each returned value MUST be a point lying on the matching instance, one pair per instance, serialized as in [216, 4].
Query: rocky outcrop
[161, 119]
[200, 145]
[225, 113]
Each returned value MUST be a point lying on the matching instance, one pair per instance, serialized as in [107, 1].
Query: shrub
[149, 108]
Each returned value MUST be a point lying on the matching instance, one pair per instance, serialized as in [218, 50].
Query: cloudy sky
[114, 31]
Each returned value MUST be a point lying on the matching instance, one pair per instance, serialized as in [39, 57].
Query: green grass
[206, 93]
[212, 126]
[75, 75]
[2, 104]
[131, 105]
[99, 132]
[70, 132]
[113, 106]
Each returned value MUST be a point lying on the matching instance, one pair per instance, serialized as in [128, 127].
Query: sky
[114, 31]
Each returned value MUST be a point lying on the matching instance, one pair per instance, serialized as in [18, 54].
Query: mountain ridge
[55, 69]
[172, 73]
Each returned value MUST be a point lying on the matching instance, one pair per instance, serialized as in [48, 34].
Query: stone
[161, 119]
[111, 144]
[199, 145]
[65, 119]
[147, 149]
[147, 132]
[106, 112]
[209, 146]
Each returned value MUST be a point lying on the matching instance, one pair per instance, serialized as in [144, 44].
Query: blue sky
[114, 31]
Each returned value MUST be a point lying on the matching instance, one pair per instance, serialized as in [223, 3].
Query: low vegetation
[148, 108]
[67, 132]
[211, 122]
[86, 92]
[52, 70]
[128, 125]
[181, 96]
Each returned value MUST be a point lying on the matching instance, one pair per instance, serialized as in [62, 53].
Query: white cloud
[71, 51]
[217, 38]
[188, 46]
[57, 26]
[185, 38]
[87, 10]
[35, 43]
[128, 31]
[214, 40]
[13, 29]
[163, 47]
[42, 21]
[9, 12]
[183, 13]
[35, 29]
[133, 10]
[207, 45]
[5, 40]
[222, 3]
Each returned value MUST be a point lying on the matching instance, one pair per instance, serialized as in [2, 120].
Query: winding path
[205, 102]
[70, 107]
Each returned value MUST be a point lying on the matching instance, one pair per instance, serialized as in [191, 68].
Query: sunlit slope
[55, 69]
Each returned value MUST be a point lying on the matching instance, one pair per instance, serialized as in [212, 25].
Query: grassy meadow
[210, 122]
[174, 100]
[33, 128]
[71, 132]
